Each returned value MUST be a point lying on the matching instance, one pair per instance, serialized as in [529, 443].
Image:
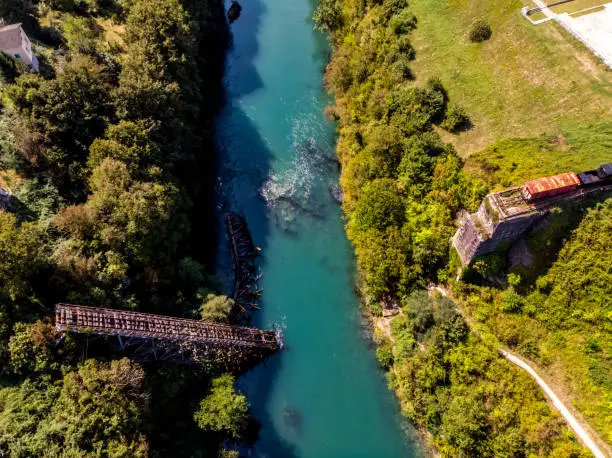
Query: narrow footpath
[572, 422]
[569, 418]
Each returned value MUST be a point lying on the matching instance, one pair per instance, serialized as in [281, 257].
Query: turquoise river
[323, 394]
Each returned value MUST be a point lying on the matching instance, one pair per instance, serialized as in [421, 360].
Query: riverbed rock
[336, 192]
[234, 11]
[292, 418]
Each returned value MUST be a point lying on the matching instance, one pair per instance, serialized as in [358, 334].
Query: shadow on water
[243, 168]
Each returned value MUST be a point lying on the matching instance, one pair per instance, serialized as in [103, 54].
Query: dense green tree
[63, 116]
[328, 15]
[463, 427]
[21, 256]
[80, 33]
[223, 410]
[94, 411]
[9, 68]
[32, 348]
[419, 311]
[15, 10]
[379, 206]
[128, 142]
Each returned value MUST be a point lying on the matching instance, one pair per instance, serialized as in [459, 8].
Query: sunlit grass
[526, 80]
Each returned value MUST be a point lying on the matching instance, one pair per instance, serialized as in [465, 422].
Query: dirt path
[584, 437]
[572, 422]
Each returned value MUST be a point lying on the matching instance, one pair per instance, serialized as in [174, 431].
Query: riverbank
[403, 186]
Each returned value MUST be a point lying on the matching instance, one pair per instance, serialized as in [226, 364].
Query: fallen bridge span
[158, 337]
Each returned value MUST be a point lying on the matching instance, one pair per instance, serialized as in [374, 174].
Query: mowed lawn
[525, 81]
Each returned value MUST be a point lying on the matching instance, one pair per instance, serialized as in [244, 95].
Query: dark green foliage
[393, 7]
[61, 119]
[384, 355]
[464, 425]
[419, 311]
[403, 22]
[399, 221]
[403, 187]
[459, 388]
[379, 206]
[105, 152]
[63, 5]
[15, 10]
[557, 311]
[480, 31]
[328, 15]
[456, 119]
[592, 345]
[9, 68]
[94, 410]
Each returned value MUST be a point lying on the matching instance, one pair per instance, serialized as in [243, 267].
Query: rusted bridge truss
[246, 292]
[150, 337]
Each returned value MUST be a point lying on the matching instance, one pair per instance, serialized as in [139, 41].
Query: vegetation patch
[480, 31]
[101, 151]
[403, 187]
[524, 81]
[558, 313]
[512, 162]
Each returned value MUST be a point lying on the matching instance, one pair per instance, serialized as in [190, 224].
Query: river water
[323, 395]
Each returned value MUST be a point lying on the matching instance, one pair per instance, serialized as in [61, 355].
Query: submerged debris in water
[234, 11]
[336, 192]
[292, 418]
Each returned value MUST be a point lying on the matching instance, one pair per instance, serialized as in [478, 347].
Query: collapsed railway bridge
[147, 337]
[246, 290]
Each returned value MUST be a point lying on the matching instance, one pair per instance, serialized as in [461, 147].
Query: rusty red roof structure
[551, 185]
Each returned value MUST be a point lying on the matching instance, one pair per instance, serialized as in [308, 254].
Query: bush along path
[569, 418]
[577, 426]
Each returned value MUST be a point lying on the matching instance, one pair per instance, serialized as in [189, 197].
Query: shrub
[400, 70]
[328, 16]
[216, 309]
[591, 346]
[392, 7]
[512, 302]
[384, 355]
[456, 119]
[224, 410]
[480, 31]
[403, 22]
[419, 310]
[9, 68]
[80, 33]
[380, 206]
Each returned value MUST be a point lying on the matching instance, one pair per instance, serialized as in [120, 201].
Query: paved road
[571, 420]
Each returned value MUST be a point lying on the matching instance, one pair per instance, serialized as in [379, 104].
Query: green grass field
[524, 81]
[511, 162]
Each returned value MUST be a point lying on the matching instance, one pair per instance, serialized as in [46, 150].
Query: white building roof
[10, 36]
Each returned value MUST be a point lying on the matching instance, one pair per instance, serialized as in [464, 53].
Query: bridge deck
[77, 318]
